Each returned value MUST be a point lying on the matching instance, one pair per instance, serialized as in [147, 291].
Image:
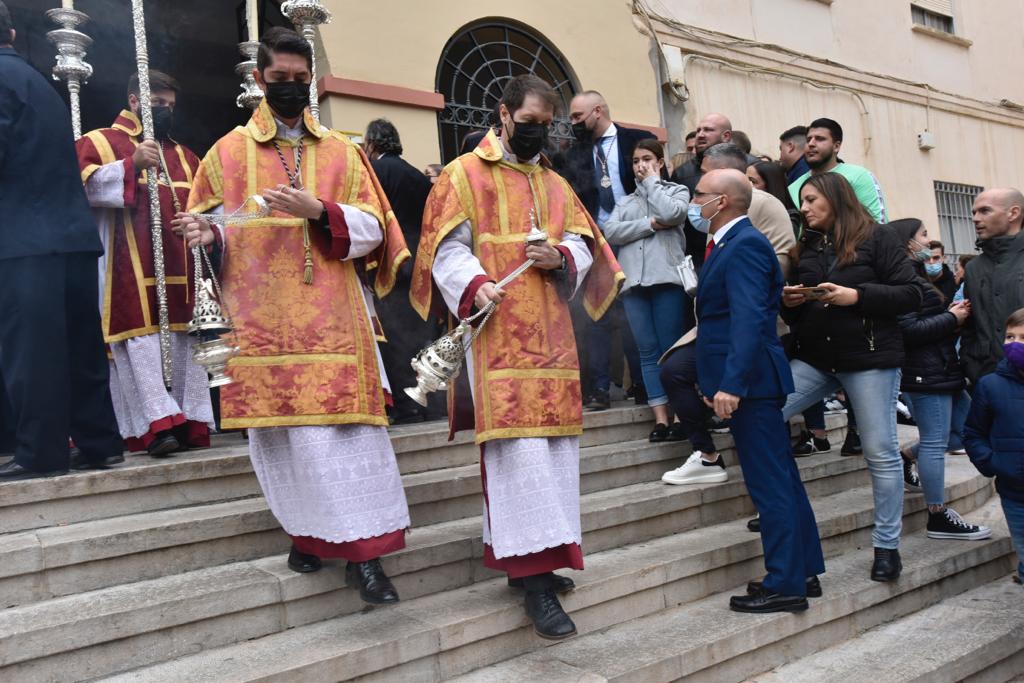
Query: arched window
[475, 66]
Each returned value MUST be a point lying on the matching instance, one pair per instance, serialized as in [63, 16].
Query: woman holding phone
[647, 228]
[848, 336]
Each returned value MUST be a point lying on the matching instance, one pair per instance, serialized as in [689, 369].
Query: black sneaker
[718, 426]
[911, 482]
[949, 524]
[659, 433]
[851, 446]
[598, 401]
[808, 444]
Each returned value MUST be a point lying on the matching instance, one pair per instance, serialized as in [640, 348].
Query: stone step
[978, 635]
[57, 561]
[704, 641]
[224, 473]
[431, 634]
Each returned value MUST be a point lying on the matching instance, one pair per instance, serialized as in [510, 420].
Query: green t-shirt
[865, 186]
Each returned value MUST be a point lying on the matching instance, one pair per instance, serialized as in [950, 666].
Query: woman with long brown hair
[854, 280]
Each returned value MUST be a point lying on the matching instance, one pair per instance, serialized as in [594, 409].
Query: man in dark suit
[52, 357]
[744, 375]
[600, 169]
[407, 333]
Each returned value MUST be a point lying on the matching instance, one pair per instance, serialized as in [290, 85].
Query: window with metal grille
[475, 66]
[956, 224]
[934, 14]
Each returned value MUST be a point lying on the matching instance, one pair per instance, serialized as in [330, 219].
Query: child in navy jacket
[994, 433]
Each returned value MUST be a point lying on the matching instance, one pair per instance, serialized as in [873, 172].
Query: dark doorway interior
[196, 41]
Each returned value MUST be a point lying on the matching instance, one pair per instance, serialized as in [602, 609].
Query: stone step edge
[38, 550]
[429, 627]
[983, 626]
[64, 616]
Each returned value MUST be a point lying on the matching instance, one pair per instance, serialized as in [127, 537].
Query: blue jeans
[933, 413]
[961, 406]
[1014, 512]
[872, 393]
[656, 315]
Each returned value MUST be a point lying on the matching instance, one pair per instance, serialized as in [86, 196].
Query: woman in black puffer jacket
[931, 378]
[848, 337]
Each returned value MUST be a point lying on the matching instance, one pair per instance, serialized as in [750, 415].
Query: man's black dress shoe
[887, 565]
[559, 584]
[79, 461]
[303, 563]
[163, 445]
[12, 471]
[549, 619]
[763, 601]
[813, 587]
[374, 585]
[754, 525]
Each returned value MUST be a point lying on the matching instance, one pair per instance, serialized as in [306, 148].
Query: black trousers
[53, 360]
[679, 377]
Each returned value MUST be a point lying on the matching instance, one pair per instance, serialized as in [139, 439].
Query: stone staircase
[175, 571]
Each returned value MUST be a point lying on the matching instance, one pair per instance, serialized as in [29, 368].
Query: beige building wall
[399, 43]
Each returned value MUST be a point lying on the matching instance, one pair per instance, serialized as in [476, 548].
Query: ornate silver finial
[71, 66]
[306, 15]
[251, 93]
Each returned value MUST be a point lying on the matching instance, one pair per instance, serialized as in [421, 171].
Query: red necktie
[707, 252]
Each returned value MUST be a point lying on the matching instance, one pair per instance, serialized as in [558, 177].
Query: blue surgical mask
[922, 254]
[697, 220]
[933, 269]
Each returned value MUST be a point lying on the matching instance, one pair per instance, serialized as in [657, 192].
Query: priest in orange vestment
[523, 369]
[308, 383]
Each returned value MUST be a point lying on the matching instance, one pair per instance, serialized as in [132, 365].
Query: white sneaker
[835, 406]
[957, 451]
[697, 471]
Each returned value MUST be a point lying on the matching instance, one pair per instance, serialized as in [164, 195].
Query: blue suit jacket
[738, 350]
[43, 208]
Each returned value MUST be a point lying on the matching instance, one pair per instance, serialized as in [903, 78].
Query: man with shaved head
[599, 166]
[744, 375]
[993, 282]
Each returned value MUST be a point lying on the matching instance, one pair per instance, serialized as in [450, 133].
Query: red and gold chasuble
[308, 354]
[129, 296]
[526, 370]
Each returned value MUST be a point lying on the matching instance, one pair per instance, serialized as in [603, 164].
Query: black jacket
[994, 284]
[865, 336]
[42, 201]
[929, 336]
[946, 284]
[406, 189]
[577, 166]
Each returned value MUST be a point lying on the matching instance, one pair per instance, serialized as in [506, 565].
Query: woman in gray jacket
[646, 227]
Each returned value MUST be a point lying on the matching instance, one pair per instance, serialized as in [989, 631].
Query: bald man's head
[712, 129]
[589, 115]
[997, 212]
[727, 194]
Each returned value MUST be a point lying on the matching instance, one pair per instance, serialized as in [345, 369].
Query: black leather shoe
[851, 446]
[303, 563]
[549, 619]
[754, 525]
[813, 587]
[659, 433]
[559, 584]
[887, 565]
[80, 462]
[12, 471]
[163, 445]
[675, 432]
[374, 585]
[763, 601]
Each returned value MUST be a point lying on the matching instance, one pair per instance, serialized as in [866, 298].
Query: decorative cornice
[379, 92]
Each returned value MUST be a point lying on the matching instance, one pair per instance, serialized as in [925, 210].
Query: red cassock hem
[569, 556]
[354, 551]
[197, 434]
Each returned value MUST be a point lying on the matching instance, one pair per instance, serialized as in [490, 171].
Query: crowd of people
[741, 292]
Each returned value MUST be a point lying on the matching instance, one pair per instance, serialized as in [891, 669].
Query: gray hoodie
[647, 256]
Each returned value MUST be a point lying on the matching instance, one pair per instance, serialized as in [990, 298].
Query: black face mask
[288, 98]
[581, 132]
[163, 121]
[528, 139]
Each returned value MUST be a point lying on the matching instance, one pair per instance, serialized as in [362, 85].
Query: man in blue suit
[52, 357]
[744, 375]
